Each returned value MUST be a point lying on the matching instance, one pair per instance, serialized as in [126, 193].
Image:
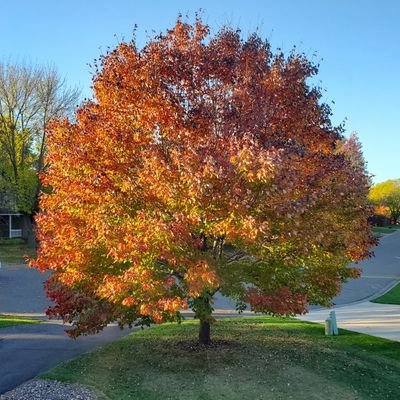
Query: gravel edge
[44, 389]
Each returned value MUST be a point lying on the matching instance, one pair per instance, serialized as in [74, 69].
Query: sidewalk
[382, 320]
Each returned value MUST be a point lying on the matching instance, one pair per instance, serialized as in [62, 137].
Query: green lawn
[14, 251]
[253, 358]
[6, 321]
[385, 229]
[391, 297]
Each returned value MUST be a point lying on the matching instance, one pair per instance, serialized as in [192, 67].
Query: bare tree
[30, 96]
[55, 100]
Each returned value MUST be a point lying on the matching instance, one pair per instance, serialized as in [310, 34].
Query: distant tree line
[386, 198]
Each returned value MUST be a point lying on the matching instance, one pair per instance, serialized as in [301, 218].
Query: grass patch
[253, 358]
[385, 229]
[6, 321]
[6, 242]
[391, 297]
[14, 252]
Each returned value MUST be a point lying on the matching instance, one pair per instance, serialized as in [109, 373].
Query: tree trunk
[204, 332]
[28, 230]
[202, 307]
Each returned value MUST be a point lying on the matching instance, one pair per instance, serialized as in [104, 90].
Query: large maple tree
[204, 163]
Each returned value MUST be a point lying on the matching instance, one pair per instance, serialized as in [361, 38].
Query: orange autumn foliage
[203, 163]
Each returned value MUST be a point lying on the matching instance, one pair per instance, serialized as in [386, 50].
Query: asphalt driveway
[28, 350]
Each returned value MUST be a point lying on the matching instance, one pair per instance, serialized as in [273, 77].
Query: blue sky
[357, 43]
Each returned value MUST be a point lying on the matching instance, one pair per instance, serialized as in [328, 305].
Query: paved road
[21, 290]
[378, 273]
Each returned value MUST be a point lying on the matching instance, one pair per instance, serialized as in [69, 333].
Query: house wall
[4, 226]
